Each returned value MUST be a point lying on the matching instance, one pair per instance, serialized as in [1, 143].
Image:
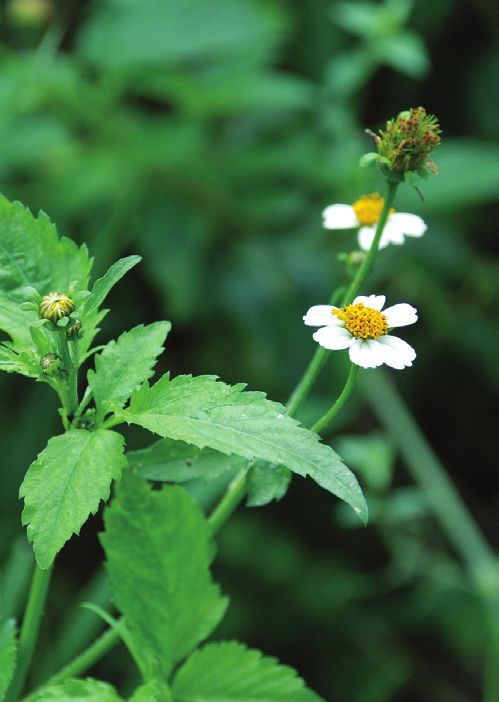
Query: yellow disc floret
[363, 322]
[368, 209]
[55, 306]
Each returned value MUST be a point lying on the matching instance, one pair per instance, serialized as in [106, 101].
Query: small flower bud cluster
[407, 142]
[55, 306]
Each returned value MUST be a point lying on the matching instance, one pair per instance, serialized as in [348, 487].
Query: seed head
[407, 142]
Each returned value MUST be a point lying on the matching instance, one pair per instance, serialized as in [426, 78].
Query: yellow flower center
[363, 322]
[368, 209]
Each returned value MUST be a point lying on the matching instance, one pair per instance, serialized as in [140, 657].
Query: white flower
[363, 329]
[365, 213]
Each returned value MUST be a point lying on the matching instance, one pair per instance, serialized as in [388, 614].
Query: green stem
[448, 508]
[367, 264]
[232, 497]
[87, 658]
[72, 400]
[29, 630]
[321, 354]
[321, 423]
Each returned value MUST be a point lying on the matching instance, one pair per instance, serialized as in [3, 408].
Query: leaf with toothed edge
[66, 484]
[77, 691]
[206, 412]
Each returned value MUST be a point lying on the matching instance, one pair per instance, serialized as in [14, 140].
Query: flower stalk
[322, 423]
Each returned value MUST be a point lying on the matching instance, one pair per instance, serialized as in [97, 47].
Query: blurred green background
[207, 136]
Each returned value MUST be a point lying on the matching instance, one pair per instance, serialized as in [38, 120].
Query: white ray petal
[365, 238]
[334, 338]
[408, 224]
[392, 233]
[321, 315]
[364, 354]
[401, 315]
[339, 217]
[374, 301]
[397, 352]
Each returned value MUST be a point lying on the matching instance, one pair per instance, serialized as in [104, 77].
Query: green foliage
[230, 671]
[8, 649]
[123, 365]
[78, 691]
[65, 485]
[158, 549]
[103, 285]
[177, 462]
[33, 258]
[220, 30]
[266, 482]
[205, 412]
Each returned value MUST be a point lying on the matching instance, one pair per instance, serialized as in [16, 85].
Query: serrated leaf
[8, 650]
[33, 256]
[123, 365]
[102, 286]
[158, 548]
[77, 691]
[266, 482]
[177, 462]
[206, 412]
[66, 484]
[230, 671]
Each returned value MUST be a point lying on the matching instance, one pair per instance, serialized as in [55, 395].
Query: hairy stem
[321, 423]
[72, 393]
[29, 630]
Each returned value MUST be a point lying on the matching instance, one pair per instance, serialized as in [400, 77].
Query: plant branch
[29, 630]
[321, 423]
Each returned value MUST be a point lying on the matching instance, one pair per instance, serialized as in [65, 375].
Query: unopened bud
[55, 306]
[52, 365]
[73, 329]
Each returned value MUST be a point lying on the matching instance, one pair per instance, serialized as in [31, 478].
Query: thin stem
[321, 423]
[29, 630]
[321, 354]
[72, 401]
[313, 369]
[232, 497]
[87, 658]
[367, 264]
[448, 508]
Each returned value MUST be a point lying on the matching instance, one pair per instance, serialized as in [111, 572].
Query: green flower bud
[55, 306]
[52, 366]
[406, 143]
[73, 329]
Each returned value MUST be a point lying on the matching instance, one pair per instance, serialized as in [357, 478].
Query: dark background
[208, 137]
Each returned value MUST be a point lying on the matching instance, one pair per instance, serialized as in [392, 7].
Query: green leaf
[77, 691]
[8, 649]
[152, 691]
[158, 548]
[177, 462]
[266, 482]
[124, 364]
[65, 485]
[103, 285]
[205, 412]
[230, 671]
[33, 256]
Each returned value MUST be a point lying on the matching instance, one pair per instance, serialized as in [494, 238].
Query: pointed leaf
[205, 412]
[103, 285]
[177, 462]
[33, 256]
[230, 671]
[65, 485]
[158, 548]
[123, 365]
[8, 648]
[77, 691]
